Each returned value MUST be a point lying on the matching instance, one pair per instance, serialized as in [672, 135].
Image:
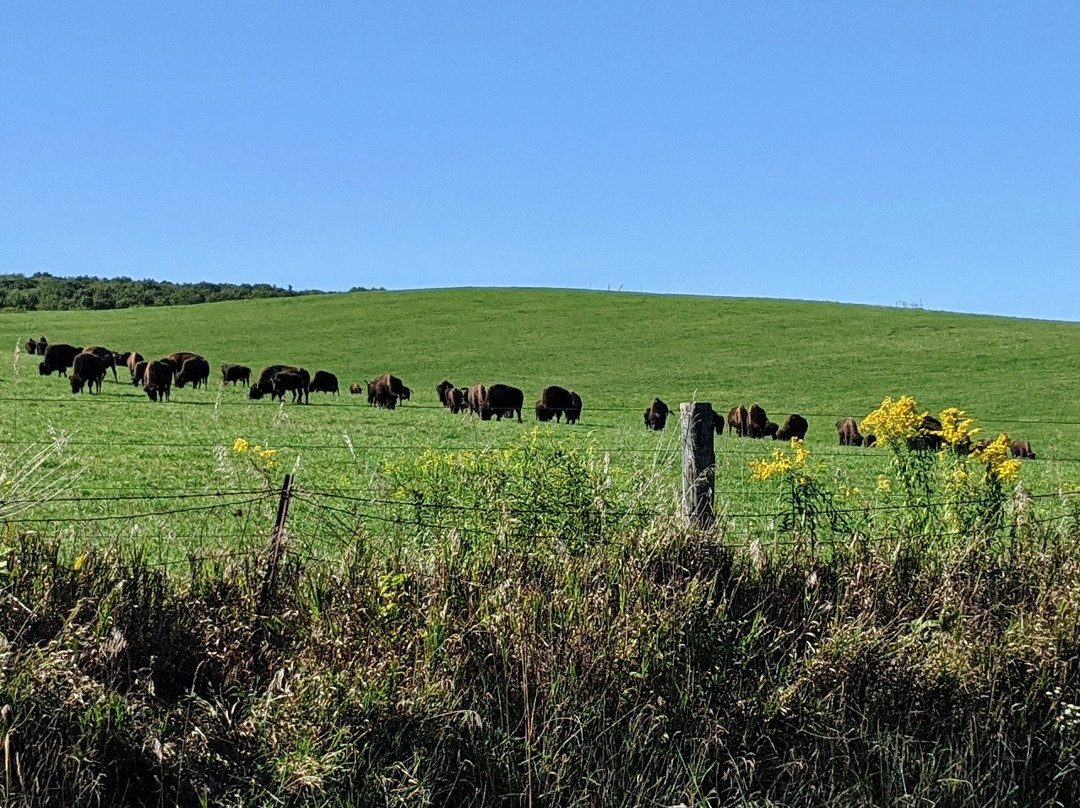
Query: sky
[917, 153]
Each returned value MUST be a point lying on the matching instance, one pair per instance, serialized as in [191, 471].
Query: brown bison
[31, 346]
[475, 396]
[106, 356]
[758, 422]
[290, 381]
[323, 382]
[264, 385]
[738, 420]
[138, 372]
[554, 402]
[194, 369]
[355, 389]
[42, 346]
[502, 400]
[573, 412]
[657, 414]
[233, 374]
[848, 430]
[442, 390]
[457, 399]
[87, 369]
[869, 439]
[58, 358]
[1022, 449]
[392, 383]
[795, 426]
[131, 359]
[157, 380]
[928, 436]
[381, 394]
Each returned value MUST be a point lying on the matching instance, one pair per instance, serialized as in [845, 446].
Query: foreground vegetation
[925, 658]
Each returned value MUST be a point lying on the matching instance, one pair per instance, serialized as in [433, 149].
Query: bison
[233, 374]
[132, 359]
[355, 389]
[194, 369]
[738, 420]
[1022, 449]
[475, 396]
[795, 426]
[290, 381]
[57, 358]
[106, 356]
[157, 380]
[442, 390]
[264, 385]
[391, 383]
[758, 422]
[573, 412]
[138, 372]
[656, 415]
[928, 435]
[502, 400]
[87, 369]
[323, 382]
[31, 346]
[554, 402]
[381, 394]
[456, 399]
[848, 431]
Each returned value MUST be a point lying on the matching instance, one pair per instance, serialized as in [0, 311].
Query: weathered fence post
[277, 546]
[698, 463]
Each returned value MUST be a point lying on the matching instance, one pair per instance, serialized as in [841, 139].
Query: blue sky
[862, 152]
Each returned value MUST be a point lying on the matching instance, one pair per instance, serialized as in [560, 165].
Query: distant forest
[43, 291]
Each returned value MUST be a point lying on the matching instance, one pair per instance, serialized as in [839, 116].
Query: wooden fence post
[277, 546]
[698, 463]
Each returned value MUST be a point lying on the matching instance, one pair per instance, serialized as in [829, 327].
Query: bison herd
[90, 365]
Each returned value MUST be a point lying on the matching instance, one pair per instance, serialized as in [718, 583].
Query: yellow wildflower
[995, 456]
[956, 427]
[781, 463]
[884, 483]
[894, 422]
[241, 445]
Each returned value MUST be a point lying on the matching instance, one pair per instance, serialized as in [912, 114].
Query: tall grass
[485, 660]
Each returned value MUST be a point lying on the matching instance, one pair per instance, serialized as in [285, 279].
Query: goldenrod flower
[956, 427]
[781, 463]
[894, 422]
[884, 483]
[995, 456]
[241, 445]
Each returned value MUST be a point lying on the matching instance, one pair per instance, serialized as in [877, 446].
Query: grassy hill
[617, 350]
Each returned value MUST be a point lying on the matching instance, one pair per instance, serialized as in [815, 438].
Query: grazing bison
[442, 389]
[771, 428]
[381, 394]
[232, 374]
[31, 346]
[795, 426]
[157, 380]
[554, 402]
[194, 369]
[573, 412]
[502, 400]
[290, 381]
[132, 359]
[475, 396]
[355, 389]
[138, 372]
[456, 399]
[869, 439]
[264, 385]
[656, 416]
[738, 420]
[323, 382]
[106, 356]
[87, 369]
[928, 436]
[848, 430]
[58, 358]
[758, 422]
[391, 383]
[1022, 449]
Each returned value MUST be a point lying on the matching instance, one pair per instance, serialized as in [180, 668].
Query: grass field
[617, 350]
[529, 625]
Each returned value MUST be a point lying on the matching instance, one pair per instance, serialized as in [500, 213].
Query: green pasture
[617, 350]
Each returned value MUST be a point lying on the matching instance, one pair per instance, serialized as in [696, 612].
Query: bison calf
[656, 415]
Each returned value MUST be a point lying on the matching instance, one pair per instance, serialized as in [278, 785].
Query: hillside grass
[617, 350]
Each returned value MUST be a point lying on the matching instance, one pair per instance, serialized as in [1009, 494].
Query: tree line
[43, 291]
